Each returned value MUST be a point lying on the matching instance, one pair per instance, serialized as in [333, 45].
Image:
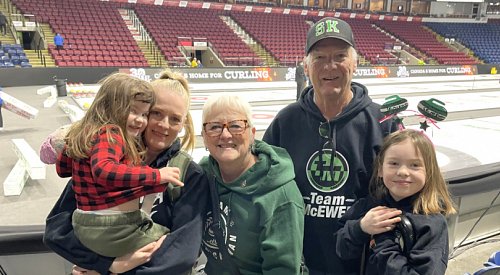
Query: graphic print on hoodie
[261, 217]
[329, 187]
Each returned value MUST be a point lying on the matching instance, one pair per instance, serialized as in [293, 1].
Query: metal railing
[39, 49]
[146, 38]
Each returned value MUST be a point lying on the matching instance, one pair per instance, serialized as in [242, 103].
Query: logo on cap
[331, 26]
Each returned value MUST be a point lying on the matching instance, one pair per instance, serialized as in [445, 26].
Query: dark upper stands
[95, 33]
[482, 39]
[252, 3]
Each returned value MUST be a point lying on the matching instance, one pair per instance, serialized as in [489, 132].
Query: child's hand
[380, 219]
[172, 175]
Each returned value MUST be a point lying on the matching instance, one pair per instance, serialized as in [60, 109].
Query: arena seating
[283, 36]
[417, 36]
[371, 42]
[167, 25]
[482, 39]
[95, 34]
[12, 55]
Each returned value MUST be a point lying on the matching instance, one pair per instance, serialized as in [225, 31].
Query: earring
[206, 149]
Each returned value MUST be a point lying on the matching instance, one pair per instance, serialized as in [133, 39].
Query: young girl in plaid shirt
[103, 156]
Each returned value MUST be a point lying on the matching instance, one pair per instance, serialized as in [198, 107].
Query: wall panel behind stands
[16, 77]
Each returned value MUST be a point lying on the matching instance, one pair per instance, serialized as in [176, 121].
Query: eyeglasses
[235, 127]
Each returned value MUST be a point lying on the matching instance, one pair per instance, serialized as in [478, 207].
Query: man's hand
[132, 260]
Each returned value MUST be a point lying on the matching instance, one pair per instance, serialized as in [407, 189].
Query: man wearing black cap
[332, 134]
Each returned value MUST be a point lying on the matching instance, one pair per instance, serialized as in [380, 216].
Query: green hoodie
[261, 215]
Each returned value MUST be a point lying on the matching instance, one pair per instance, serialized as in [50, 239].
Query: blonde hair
[175, 82]
[227, 102]
[111, 107]
[434, 197]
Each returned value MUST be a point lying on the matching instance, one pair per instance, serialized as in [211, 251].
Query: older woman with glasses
[257, 217]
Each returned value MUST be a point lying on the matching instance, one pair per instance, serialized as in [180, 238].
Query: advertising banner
[414, 71]
[210, 75]
[441, 70]
[265, 74]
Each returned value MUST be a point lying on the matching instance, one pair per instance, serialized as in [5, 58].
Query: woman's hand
[132, 260]
[380, 219]
[82, 271]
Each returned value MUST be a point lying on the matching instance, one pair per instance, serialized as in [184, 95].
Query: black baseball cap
[329, 27]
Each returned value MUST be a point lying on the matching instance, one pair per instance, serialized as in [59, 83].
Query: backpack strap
[180, 160]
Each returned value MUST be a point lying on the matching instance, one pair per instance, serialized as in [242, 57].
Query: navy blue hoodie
[329, 189]
[428, 255]
[177, 253]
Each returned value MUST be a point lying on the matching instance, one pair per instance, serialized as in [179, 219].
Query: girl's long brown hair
[110, 107]
[434, 197]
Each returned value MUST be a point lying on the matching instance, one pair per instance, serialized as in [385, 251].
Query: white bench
[51, 100]
[29, 164]
[74, 112]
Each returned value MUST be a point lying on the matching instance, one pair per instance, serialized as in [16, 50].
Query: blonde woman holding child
[402, 223]
[183, 216]
[103, 155]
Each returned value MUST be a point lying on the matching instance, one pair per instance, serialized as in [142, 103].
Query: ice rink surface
[469, 137]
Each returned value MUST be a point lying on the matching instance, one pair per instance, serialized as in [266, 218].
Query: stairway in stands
[37, 58]
[267, 59]
[145, 43]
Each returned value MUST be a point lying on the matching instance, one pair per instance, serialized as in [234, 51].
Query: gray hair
[226, 103]
[353, 51]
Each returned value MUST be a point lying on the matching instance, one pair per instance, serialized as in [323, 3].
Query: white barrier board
[31, 160]
[14, 183]
[18, 107]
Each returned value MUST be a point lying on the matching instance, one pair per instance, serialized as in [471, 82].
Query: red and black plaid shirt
[107, 179]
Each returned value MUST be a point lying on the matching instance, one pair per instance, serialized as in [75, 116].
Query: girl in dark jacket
[402, 224]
